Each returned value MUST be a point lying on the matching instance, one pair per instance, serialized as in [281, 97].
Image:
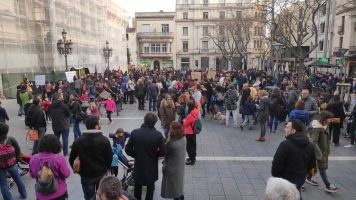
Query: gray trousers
[322, 173]
[41, 133]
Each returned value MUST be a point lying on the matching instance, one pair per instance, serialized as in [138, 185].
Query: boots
[260, 139]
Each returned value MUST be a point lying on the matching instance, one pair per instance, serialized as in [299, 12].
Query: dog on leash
[221, 117]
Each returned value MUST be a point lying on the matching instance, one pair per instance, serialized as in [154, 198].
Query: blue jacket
[249, 108]
[123, 87]
[3, 115]
[120, 140]
[302, 115]
[115, 160]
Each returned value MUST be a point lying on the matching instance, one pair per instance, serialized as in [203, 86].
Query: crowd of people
[178, 101]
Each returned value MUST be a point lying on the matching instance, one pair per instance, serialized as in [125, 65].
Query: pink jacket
[94, 111]
[110, 105]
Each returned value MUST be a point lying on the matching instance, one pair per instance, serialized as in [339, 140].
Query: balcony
[336, 52]
[212, 5]
[156, 55]
[340, 30]
[155, 35]
[352, 50]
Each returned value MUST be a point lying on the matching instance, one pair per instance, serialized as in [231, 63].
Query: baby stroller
[24, 168]
[128, 165]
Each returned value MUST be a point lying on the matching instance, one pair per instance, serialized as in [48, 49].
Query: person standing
[146, 145]
[230, 101]
[310, 104]
[140, 92]
[263, 113]
[48, 151]
[153, 93]
[130, 86]
[188, 124]
[293, 97]
[168, 113]
[75, 108]
[110, 107]
[48, 88]
[335, 107]
[275, 109]
[295, 156]
[3, 114]
[60, 116]
[95, 154]
[78, 85]
[25, 98]
[173, 164]
[319, 133]
[37, 120]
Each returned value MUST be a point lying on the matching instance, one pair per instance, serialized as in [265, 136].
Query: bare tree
[232, 34]
[295, 25]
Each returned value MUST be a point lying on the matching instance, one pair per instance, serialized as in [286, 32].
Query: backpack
[140, 93]
[197, 126]
[46, 183]
[7, 156]
[274, 107]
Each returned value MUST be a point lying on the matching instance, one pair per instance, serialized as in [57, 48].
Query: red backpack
[7, 156]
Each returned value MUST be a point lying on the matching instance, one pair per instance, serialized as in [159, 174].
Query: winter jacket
[94, 111]
[276, 101]
[119, 140]
[95, 153]
[78, 84]
[160, 99]
[3, 115]
[45, 105]
[230, 99]
[167, 114]
[152, 90]
[110, 105]
[213, 100]
[75, 107]
[36, 117]
[320, 138]
[12, 142]
[293, 98]
[337, 109]
[245, 94]
[249, 108]
[263, 110]
[189, 121]
[311, 106]
[123, 86]
[241, 80]
[59, 168]
[129, 82]
[302, 115]
[60, 115]
[138, 88]
[294, 157]
[18, 95]
[25, 97]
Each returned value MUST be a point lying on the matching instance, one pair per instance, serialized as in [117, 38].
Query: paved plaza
[230, 165]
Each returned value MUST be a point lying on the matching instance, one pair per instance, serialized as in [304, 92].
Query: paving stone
[215, 189]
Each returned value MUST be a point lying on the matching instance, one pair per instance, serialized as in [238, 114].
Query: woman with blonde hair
[168, 113]
[181, 107]
[263, 113]
[94, 108]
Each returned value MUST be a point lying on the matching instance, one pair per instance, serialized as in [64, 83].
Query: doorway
[156, 65]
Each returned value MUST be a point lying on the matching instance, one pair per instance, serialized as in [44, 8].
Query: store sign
[170, 62]
[145, 62]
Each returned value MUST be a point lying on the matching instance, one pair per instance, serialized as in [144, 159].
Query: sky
[149, 6]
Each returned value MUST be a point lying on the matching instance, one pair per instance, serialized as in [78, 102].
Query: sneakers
[109, 123]
[349, 146]
[311, 182]
[332, 189]
[275, 131]
[336, 144]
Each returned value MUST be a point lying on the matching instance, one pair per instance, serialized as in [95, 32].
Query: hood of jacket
[56, 104]
[317, 124]
[299, 139]
[297, 91]
[91, 138]
[275, 94]
[33, 108]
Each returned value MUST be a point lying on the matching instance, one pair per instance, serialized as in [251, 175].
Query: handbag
[314, 170]
[33, 134]
[335, 120]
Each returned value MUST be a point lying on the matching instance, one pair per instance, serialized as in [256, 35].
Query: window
[222, 2]
[322, 27]
[254, 44]
[184, 63]
[341, 41]
[205, 15]
[170, 47]
[206, 1]
[221, 44]
[20, 7]
[146, 48]
[221, 30]
[185, 46]
[256, 30]
[323, 9]
[185, 2]
[164, 48]
[145, 28]
[321, 45]
[155, 48]
[165, 28]
[222, 14]
[238, 14]
[205, 30]
[205, 46]
[185, 15]
[185, 30]
[127, 37]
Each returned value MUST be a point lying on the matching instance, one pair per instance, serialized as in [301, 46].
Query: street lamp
[65, 47]
[276, 47]
[244, 54]
[107, 53]
[343, 52]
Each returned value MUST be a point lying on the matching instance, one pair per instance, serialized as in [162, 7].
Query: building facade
[131, 38]
[196, 35]
[31, 29]
[156, 47]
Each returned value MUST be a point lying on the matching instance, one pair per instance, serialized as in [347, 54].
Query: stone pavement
[230, 165]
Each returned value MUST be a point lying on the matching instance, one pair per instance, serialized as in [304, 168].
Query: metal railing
[352, 50]
[155, 34]
[212, 5]
[340, 29]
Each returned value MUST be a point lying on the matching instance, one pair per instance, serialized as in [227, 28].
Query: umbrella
[318, 63]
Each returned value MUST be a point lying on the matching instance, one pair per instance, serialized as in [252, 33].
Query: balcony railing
[213, 5]
[352, 50]
[156, 55]
[336, 52]
[155, 35]
[340, 29]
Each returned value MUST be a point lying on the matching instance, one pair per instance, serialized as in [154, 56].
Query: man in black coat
[241, 80]
[146, 145]
[37, 121]
[295, 156]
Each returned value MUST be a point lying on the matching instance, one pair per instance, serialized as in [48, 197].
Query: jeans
[203, 108]
[41, 133]
[323, 176]
[71, 118]
[153, 100]
[90, 186]
[166, 131]
[65, 135]
[13, 171]
[118, 108]
[246, 119]
[275, 119]
[220, 108]
[21, 110]
[149, 192]
[299, 183]
[76, 129]
[234, 116]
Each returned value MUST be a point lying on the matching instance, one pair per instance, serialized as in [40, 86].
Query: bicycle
[29, 143]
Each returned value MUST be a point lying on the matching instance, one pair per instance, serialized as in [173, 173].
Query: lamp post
[107, 53]
[244, 54]
[177, 56]
[276, 47]
[343, 52]
[64, 47]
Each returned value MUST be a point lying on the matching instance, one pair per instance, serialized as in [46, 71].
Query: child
[213, 108]
[249, 110]
[119, 137]
[84, 95]
[110, 108]
[114, 169]
[45, 106]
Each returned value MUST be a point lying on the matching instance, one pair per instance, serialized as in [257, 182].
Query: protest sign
[211, 74]
[70, 76]
[105, 94]
[196, 75]
[40, 79]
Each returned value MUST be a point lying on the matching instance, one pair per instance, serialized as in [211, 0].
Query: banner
[40, 79]
[196, 75]
[70, 76]
[211, 74]
[105, 94]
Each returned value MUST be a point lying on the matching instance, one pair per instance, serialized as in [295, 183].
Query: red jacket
[45, 105]
[189, 121]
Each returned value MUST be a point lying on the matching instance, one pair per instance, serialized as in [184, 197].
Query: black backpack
[140, 93]
[274, 107]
